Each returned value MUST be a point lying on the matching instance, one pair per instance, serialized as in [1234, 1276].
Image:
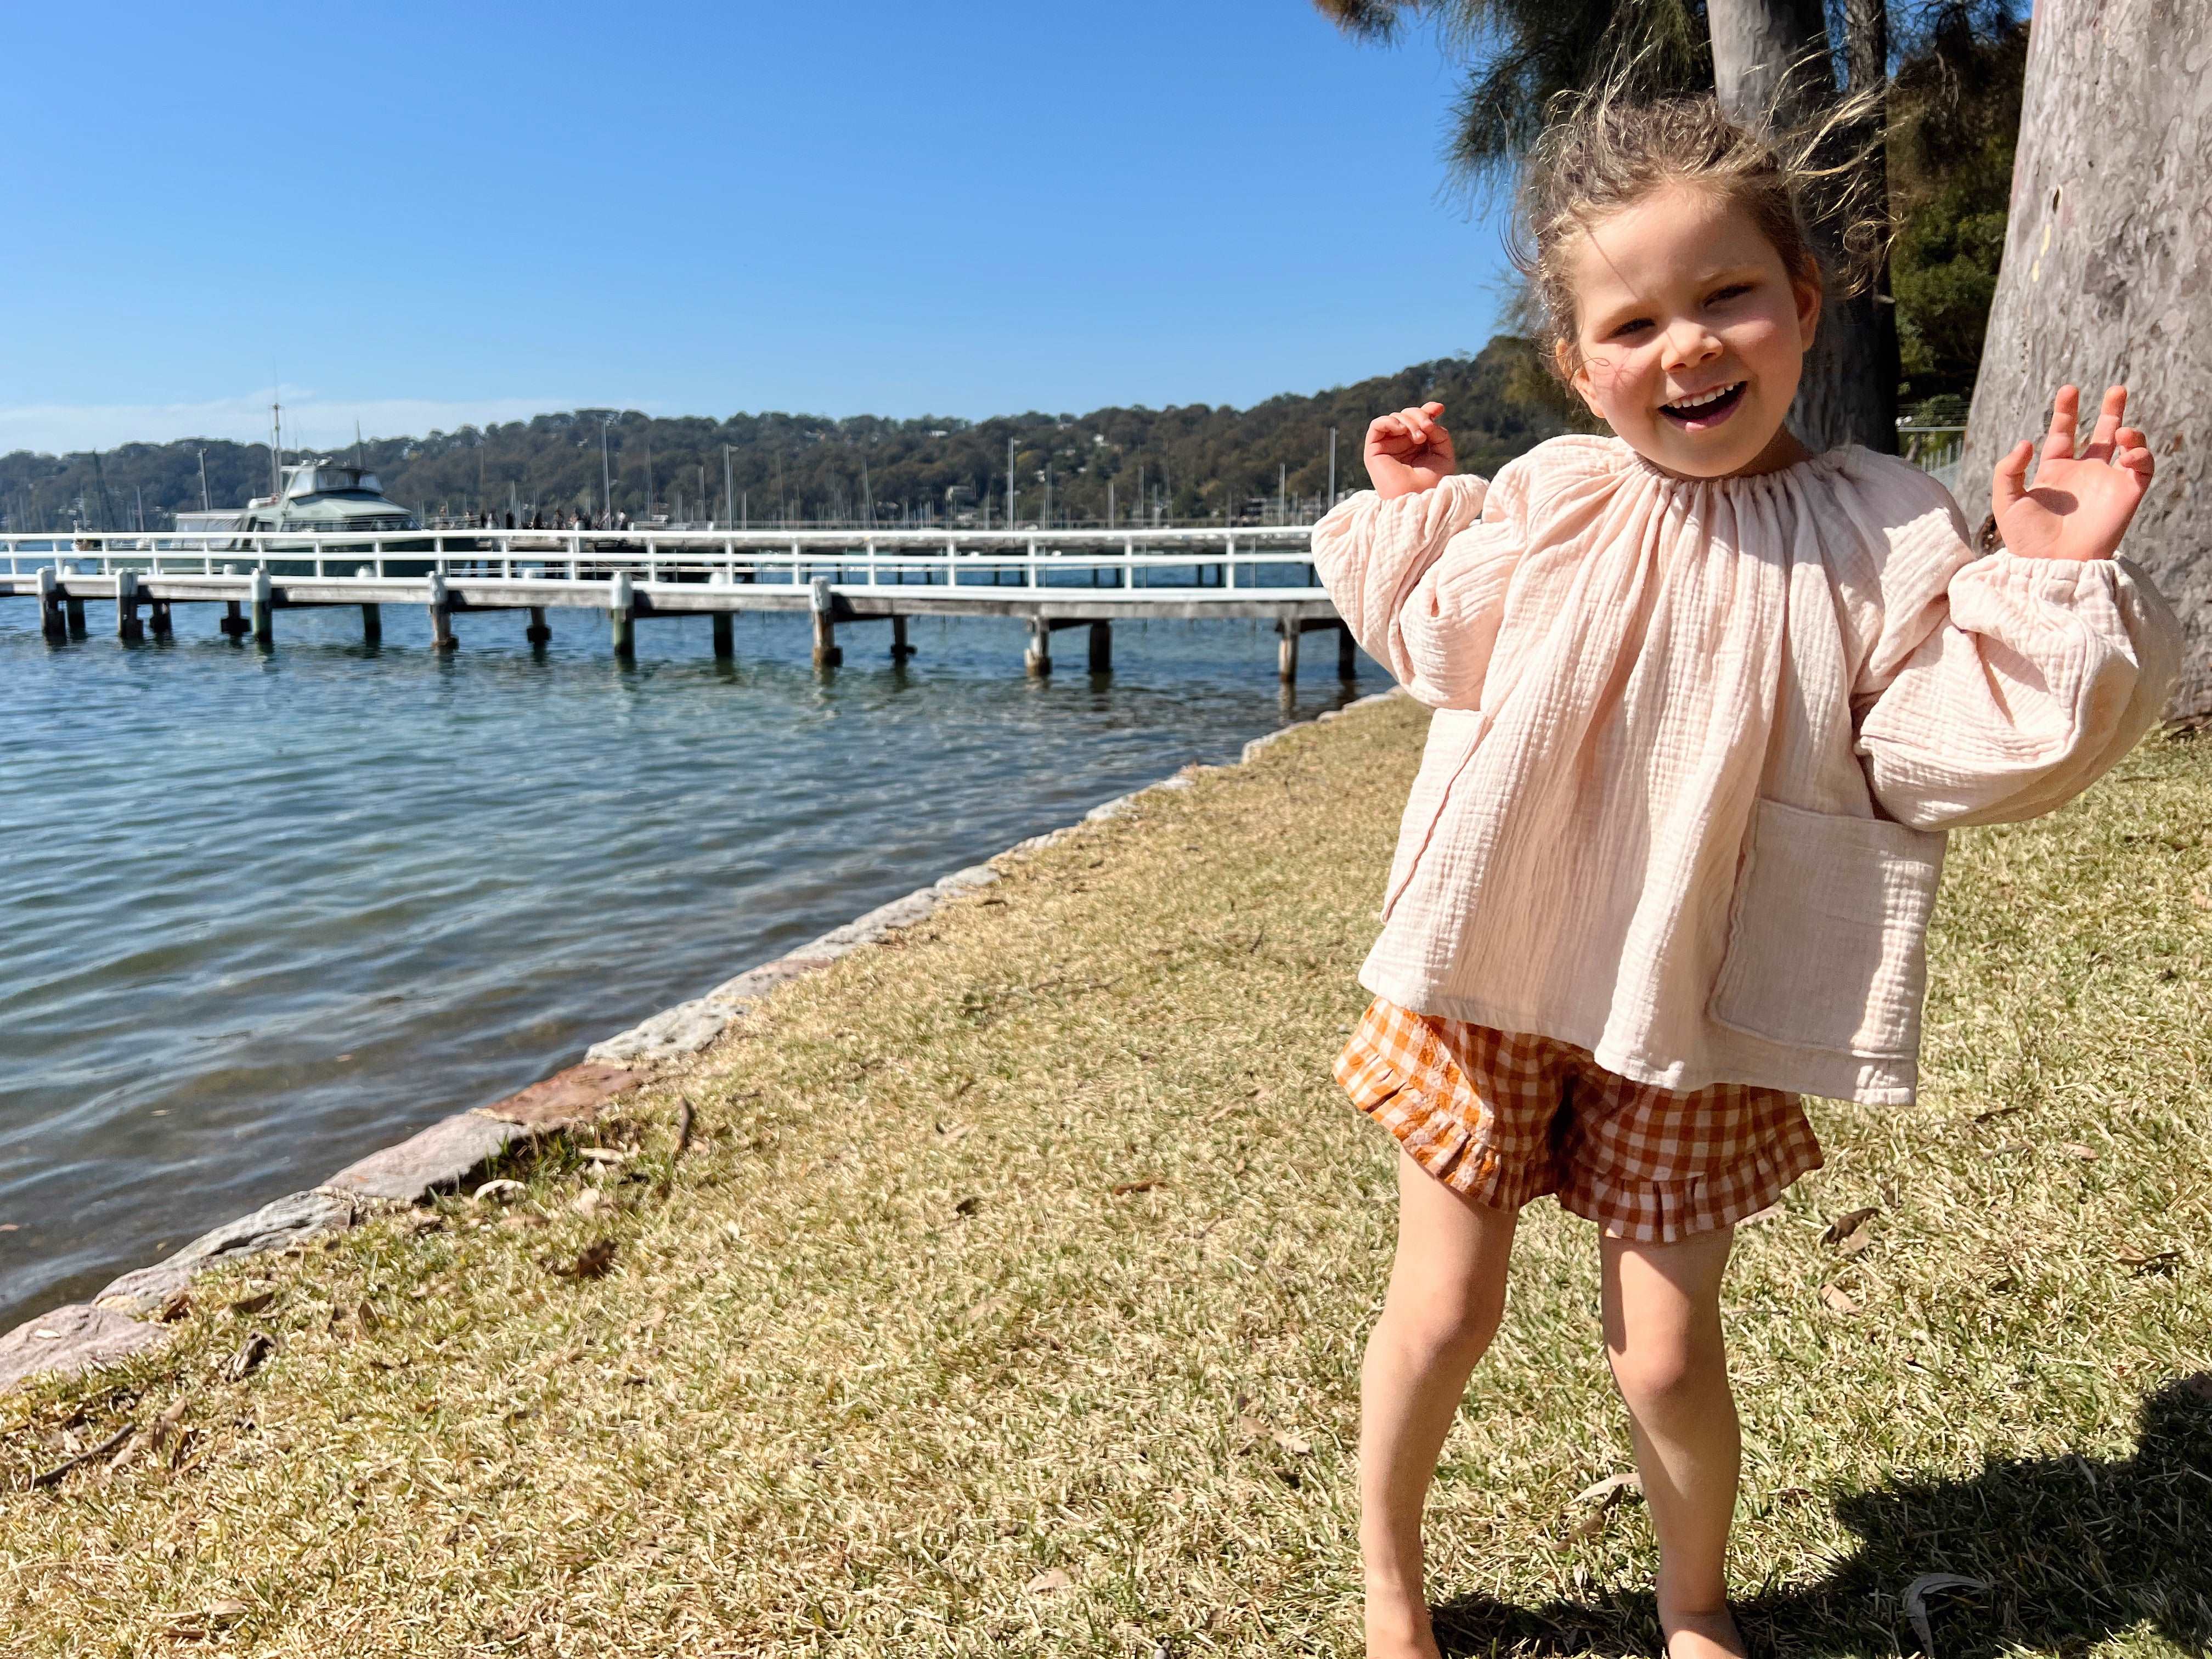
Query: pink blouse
[1697, 742]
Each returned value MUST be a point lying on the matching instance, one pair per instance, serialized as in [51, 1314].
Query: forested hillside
[1182, 463]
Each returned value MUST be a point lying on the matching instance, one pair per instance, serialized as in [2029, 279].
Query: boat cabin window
[314, 480]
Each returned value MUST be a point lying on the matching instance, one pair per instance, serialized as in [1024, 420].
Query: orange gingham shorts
[1503, 1117]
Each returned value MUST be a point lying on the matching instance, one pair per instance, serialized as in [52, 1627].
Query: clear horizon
[702, 212]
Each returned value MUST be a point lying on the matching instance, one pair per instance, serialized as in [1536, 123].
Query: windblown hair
[1601, 150]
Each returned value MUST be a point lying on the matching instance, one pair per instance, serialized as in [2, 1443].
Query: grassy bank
[1010, 1299]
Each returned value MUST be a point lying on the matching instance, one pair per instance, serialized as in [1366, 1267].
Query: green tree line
[1190, 463]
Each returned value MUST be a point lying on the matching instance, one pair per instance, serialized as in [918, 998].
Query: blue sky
[421, 214]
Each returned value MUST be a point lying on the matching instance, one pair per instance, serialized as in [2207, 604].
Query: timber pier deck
[1054, 579]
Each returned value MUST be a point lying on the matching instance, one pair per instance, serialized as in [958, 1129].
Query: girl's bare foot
[1702, 1635]
[1398, 1626]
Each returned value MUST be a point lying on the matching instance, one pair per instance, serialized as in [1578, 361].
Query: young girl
[1706, 703]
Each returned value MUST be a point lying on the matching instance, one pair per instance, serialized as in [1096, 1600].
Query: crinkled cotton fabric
[1697, 744]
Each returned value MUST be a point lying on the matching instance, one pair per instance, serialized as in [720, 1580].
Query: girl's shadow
[2074, 1551]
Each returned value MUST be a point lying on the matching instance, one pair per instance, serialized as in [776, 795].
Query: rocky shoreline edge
[127, 1317]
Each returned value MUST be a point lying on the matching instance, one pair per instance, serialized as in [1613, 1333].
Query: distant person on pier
[510, 518]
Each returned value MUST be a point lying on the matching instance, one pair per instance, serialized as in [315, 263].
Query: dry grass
[1042, 1245]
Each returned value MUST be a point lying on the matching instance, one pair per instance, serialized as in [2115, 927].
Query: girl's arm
[1419, 568]
[2000, 688]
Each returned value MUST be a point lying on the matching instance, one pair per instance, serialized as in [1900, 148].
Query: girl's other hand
[2078, 507]
[1409, 451]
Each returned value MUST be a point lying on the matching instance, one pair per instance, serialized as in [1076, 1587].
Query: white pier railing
[1131, 560]
[1051, 579]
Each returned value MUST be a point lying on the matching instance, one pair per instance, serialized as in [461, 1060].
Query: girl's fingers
[2008, 484]
[2108, 424]
[2058, 442]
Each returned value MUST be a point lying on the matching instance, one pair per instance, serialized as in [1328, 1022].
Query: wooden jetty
[1054, 579]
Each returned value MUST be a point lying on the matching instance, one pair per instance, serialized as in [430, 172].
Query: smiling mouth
[1707, 409]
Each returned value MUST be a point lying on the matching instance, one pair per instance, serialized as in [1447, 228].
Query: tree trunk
[1771, 65]
[2104, 279]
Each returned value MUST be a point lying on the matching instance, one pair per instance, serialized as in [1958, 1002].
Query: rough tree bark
[2107, 275]
[1770, 62]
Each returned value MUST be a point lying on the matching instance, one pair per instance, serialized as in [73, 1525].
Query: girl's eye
[1629, 327]
[1732, 290]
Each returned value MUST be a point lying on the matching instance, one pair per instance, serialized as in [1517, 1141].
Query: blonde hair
[1807, 190]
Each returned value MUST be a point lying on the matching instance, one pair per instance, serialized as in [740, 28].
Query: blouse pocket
[1827, 943]
[1453, 736]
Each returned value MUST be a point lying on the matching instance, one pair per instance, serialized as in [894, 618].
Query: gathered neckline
[1627, 455]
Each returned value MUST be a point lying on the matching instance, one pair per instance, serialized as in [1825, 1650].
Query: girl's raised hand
[1409, 451]
[2078, 507]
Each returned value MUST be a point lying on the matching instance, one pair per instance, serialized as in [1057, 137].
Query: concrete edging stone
[122, 1320]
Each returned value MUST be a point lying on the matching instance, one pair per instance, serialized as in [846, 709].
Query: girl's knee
[1446, 1327]
[1656, 1370]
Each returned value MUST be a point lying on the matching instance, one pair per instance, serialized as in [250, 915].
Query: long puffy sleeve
[1421, 579]
[1999, 688]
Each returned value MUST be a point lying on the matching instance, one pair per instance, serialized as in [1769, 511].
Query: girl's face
[1690, 333]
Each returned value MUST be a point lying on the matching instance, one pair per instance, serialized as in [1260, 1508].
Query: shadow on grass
[2076, 1549]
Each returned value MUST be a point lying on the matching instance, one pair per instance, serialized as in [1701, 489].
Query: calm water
[265, 913]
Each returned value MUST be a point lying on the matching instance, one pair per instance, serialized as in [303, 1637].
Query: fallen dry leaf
[591, 1202]
[1046, 1582]
[496, 1192]
[1849, 1223]
[2075, 1149]
[967, 1206]
[592, 1262]
[253, 1304]
[1997, 1112]
[1604, 1491]
[206, 1621]
[1837, 1301]
[251, 1352]
[1296, 1444]
[1915, 1602]
[603, 1155]
[2147, 1262]
[1587, 1524]
[367, 1318]
[427, 1221]
[1143, 1184]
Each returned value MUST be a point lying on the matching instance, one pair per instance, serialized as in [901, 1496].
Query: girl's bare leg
[1663, 1333]
[1447, 1294]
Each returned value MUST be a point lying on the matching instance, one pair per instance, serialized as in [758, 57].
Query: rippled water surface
[268, 911]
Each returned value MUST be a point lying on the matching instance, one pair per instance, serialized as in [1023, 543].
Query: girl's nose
[1688, 342]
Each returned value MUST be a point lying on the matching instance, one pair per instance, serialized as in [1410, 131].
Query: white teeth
[1713, 397]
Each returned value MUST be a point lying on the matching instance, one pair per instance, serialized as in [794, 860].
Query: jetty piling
[50, 605]
[372, 615]
[442, 613]
[1046, 579]
[822, 602]
[127, 625]
[621, 613]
